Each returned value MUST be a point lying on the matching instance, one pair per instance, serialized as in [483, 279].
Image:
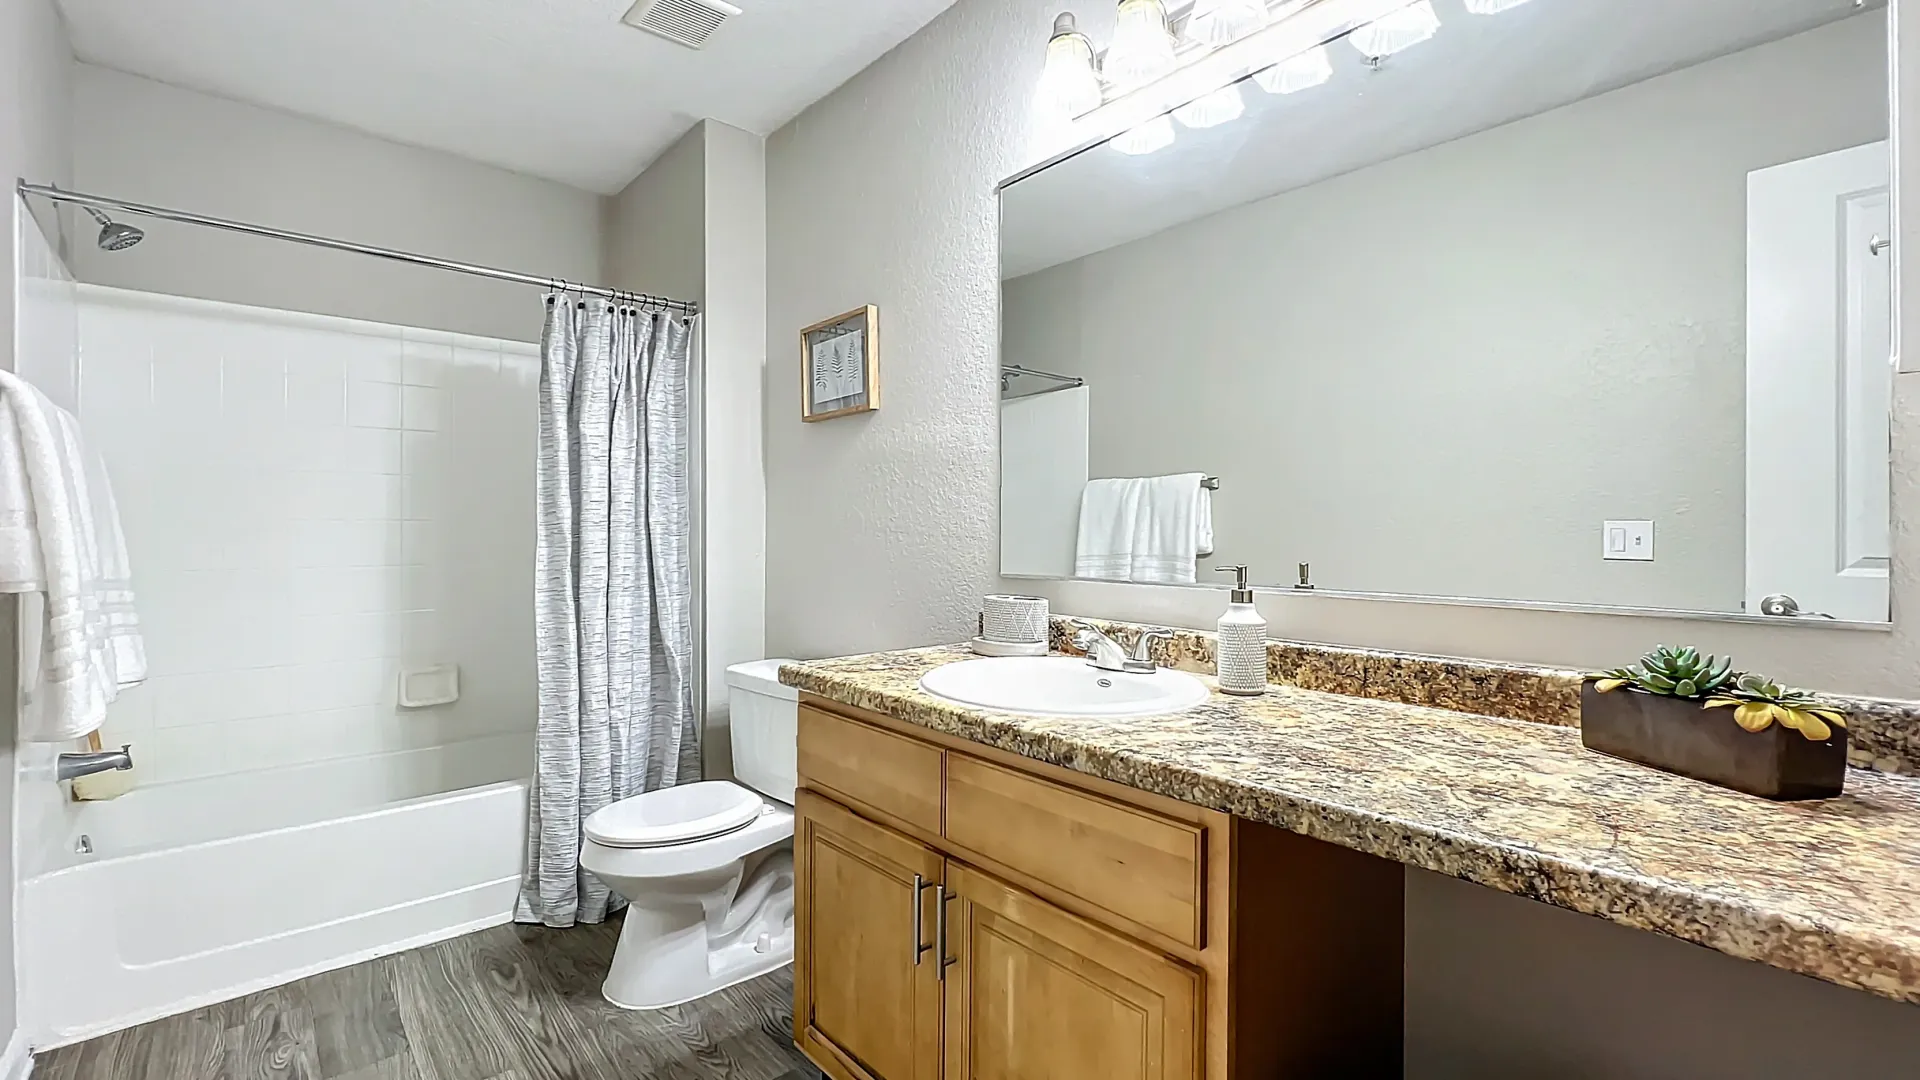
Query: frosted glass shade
[1069, 85]
[1217, 22]
[1492, 7]
[1403, 29]
[1155, 134]
[1218, 107]
[1142, 48]
[1294, 74]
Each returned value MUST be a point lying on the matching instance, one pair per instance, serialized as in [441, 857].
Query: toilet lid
[675, 815]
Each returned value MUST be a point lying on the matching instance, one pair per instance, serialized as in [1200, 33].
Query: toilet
[707, 868]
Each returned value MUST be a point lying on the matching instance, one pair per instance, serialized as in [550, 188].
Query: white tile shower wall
[310, 504]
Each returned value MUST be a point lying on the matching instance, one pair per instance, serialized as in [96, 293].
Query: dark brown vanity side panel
[1317, 960]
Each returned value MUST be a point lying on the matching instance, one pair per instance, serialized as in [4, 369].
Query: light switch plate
[1630, 541]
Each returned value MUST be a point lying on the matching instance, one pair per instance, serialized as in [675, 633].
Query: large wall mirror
[1580, 303]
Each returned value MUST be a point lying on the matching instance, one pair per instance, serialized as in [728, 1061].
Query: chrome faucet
[69, 766]
[1108, 655]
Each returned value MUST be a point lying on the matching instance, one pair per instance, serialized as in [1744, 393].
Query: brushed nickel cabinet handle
[919, 920]
[940, 931]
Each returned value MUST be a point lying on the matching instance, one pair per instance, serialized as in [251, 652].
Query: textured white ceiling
[1478, 72]
[555, 88]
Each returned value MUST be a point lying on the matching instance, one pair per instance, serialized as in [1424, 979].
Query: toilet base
[613, 994]
[680, 944]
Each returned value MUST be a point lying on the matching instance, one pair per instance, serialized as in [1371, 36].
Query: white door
[1819, 384]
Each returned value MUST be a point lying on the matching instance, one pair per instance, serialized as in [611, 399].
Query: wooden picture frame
[840, 365]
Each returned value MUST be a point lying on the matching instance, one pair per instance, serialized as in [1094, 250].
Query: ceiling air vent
[683, 22]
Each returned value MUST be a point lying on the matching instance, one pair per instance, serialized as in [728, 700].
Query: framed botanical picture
[840, 365]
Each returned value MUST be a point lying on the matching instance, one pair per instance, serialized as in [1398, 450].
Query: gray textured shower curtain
[613, 587]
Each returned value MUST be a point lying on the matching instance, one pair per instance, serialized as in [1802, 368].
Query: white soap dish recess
[423, 687]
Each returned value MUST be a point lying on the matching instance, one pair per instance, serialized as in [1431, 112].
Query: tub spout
[69, 766]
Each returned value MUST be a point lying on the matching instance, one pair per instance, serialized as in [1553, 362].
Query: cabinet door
[866, 988]
[1037, 992]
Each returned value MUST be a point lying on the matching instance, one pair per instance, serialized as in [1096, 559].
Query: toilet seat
[774, 826]
[676, 815]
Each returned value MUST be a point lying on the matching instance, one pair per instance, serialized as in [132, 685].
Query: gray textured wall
[148, 142]
[656, 229]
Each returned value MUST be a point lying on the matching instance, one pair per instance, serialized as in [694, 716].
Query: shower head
[115, 235]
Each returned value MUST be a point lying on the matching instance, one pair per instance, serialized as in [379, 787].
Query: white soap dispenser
[1240, 654]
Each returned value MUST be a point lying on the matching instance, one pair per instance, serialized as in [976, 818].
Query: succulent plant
[1758, 702]
[1681, 673]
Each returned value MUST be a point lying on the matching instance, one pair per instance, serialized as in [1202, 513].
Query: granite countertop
[1829, 889]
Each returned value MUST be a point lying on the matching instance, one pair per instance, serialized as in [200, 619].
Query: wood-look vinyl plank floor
[510, 1003]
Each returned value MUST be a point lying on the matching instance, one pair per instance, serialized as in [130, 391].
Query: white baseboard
[16, 1063]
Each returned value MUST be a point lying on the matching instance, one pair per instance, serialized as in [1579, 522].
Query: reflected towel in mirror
[1144, 529]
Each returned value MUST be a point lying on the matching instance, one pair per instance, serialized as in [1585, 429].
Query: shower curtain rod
[1071, 381]
[100, 202]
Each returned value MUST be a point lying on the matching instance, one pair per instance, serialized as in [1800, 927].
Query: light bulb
[1402, 29]
[1294, 74]
[1218, 107]
[1069, 84]
[1218, 22]
[1155, 134]
[1142, 49]
[1492, 7]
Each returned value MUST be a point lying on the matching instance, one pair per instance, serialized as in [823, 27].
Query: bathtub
[202, 891]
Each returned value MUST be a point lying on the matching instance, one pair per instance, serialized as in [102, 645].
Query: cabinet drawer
[1135, 864]
[871, 768]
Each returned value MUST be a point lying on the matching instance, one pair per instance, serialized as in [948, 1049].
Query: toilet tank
[765, 718]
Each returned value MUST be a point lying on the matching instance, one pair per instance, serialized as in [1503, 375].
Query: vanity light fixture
[1155, 134]
[1070, 84]
[1146, 79]
[1294, 74]
[1142, 48]
[1214, 23]
[1209, 110]
[1403, 29]
[1491, 7]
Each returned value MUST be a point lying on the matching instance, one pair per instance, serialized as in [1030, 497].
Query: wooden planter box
[1681, 736]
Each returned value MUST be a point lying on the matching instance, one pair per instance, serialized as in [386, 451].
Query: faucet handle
[1085, 634]
[1143, 649]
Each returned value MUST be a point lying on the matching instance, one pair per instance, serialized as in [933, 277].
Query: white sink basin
[1062, 686]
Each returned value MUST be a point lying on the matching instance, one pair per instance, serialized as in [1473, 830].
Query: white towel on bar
[1109, 517]
[1167, 541]
[87, 633]
[1203, 522]
[1151, 529]
[20, 568]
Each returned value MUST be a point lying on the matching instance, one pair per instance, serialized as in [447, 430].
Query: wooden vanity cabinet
[863, 955]
[1035, 991]
[962, 912]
